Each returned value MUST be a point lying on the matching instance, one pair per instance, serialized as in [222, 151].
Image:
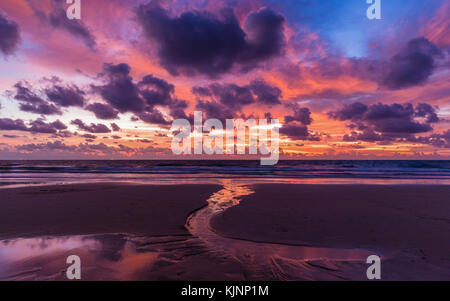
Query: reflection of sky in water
[103, 257]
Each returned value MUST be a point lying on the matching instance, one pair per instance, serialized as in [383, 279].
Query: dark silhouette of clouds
[115, 127]
[66, 96]
[296, 124]
[301, 115]
[235, 97]
[9, 35]
[381, 122]
[156, 91]
[7, 124]
[92, 128]
[57, 18]
[413, 65]
[201, 42]
[103, 111]
[40, 126]
[140, 98]
[31, 102]
[120, 91]
[36, 126]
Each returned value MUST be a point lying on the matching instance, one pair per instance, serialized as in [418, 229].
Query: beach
[269, 232]
[409, 225]
[79, 209]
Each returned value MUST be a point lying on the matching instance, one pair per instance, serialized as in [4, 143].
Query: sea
[25, 173]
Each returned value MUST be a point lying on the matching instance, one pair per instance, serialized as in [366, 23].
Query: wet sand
[259, 232]
[41, 226]
[79, 209]
[409, 225]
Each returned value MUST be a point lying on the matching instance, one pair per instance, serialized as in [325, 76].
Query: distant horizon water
[39, 172]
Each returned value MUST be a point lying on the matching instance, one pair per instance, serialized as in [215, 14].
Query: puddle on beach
[126, 257]
[103, 257]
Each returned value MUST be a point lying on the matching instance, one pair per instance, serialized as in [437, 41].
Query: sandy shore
[99, 208]
[408, 225]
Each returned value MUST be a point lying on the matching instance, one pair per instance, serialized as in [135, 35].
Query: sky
[108, 86]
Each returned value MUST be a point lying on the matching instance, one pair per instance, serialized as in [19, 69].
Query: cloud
[141, 98]
[266, 94]
[120, 91]
[302, 115]
[296, 125]
[201, 42]
[31, 102]
[49, 146]
[115, 127]
[295, 131]
[216, 110]
[156, 91]
[153, 116]
[7, 124]
[235, 97]
[103, 111]
[93, 128]
[441, 140]
[379, 122]
[36, 126]
[413, 65]
[9, 35]
[66, 96]
[57, 18]
[40, 126]
[89, 136]
[354, 111]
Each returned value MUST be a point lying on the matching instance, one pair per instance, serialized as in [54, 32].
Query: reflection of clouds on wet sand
[104, 257]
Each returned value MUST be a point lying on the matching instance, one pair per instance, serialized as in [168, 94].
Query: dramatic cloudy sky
[109, 85]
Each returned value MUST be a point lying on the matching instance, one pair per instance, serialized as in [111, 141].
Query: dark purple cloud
[7, 124]
[296, 124]
[57, 18]
[216, 110]
[103, 111]
[9, 35]
[412, 65]
[441, 140]
[49, 146]
[31, 102]
[235, 97]
[92, 128]
[120, 91]
[367, 135]
[89, 136]
[35, 126]
[295, 131]
[354, 111]
[301, 115]
[156, 91]
[153, 116]
[265, 93]
[141, 98]
[40, 126]
[11, 136]
[200, 42]
[43, 109]
[425, 110]
[66, 96]
[379, 122]
[115, 127]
